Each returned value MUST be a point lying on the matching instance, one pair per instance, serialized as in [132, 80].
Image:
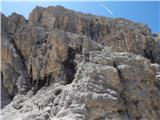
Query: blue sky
[138, 11]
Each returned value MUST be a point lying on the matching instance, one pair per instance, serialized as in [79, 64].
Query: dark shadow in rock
[58, 92]
[38, 84]
[70, 66]
[5, 97]
[149, 55]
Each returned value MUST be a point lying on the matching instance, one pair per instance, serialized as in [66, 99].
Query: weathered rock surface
[156, 49]
[122, 89]
[61, 65]
[13, 66]
[120, 34]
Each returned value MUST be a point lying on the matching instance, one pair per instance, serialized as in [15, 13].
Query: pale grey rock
[99, 91]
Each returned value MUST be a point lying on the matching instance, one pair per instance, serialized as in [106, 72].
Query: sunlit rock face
[66, 65]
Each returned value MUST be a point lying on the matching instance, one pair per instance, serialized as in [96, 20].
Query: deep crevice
[24, 67]
[149, 55]
[19, 53]
[125, 111]
[6, 98]
[39, 83]
[25, 74]
[30, 75]
[70, 66]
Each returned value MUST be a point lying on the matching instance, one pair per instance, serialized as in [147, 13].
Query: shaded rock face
[155, 52]
[13, 65]
[61, 65]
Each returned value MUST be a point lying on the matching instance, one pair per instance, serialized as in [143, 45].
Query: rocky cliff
[66, 65]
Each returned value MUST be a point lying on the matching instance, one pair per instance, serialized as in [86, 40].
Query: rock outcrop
[120, 34]
[13, 66]
[61, 65]
[155, 52]
[109, 85]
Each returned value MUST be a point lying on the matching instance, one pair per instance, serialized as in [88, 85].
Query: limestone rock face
[49, 52]
[13, 22]
[120, 34]
[156, 49]
[122, 90]
[13, 65]
[65, 65]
